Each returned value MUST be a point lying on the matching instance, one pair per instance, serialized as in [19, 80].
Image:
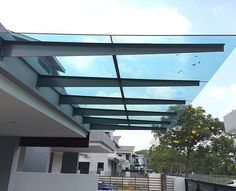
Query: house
[45, 123]
[230, 122]
[102, 163]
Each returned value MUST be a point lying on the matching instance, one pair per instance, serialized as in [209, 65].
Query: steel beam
[54, 142]
[97, 120]
[45, 48]
[74, 99]
[101, 112]
[122, 127]
[73, 81]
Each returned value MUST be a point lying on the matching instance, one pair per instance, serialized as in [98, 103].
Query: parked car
[106, 186]
[232, 183]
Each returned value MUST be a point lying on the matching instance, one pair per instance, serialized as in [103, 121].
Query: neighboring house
[230, 122]
[142, 162]
[127, 153]
[121, 159]
[132, 161]
[99, 143]
[103, 163]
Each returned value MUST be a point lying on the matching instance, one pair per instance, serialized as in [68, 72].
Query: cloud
[104, 16]
[218, 100]
[233, 89]
[216, 92]
[141, 140]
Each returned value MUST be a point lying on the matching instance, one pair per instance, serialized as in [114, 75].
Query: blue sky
[137, 17]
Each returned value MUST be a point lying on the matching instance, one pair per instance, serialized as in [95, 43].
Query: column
[70, 162]
[9, 151]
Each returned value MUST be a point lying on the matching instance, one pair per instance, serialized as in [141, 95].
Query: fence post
[135, 183]
[215, 188]
[163, 182]
[148, 182]
[198, 186]
[110, 183]
[186, 184]
[122, 182]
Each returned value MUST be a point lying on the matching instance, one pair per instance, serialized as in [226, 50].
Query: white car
[232, 183]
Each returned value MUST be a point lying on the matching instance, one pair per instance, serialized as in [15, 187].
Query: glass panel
[92, 91]
[175, 66]
[198, 66]
[119, 107]
[149, 107]
[109, 116]
[182, 93]
[151, 118]
[68, 38]
[89, 66]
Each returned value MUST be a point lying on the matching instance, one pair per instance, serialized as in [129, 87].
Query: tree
[144, 152]
[222, 149]
[169, 161]
[192, 129]
[202, 161]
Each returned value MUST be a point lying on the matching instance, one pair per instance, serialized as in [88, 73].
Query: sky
[137, 17]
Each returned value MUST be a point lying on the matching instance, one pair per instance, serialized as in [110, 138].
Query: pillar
[9, 151]
[70, 162]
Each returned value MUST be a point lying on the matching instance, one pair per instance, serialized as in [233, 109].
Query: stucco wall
[26, 181]
[93, 159]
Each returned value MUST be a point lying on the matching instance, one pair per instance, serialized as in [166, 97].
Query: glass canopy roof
[125, 82]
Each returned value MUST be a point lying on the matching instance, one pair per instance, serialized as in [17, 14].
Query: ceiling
[20, 119]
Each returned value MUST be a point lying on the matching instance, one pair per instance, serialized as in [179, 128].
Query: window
[100, 167]
[83, 167]
[127, 156]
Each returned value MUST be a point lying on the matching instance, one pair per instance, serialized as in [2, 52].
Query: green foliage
[196, 143]
[165, 159]
[144, 152]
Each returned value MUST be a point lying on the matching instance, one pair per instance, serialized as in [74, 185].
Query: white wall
[28, 181]
[179, 183]
[93, 159]
[230, 122]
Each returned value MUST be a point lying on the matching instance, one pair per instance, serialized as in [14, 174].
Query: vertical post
[110, 183]
[148, 182]
[70, 162]
[163, 182]
[198, 186]
[135, 183]
[186, 184]
[215, 188]
[9, 148]
[122, 182]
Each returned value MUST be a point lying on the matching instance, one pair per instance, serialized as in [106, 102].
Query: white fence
[138, 184]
